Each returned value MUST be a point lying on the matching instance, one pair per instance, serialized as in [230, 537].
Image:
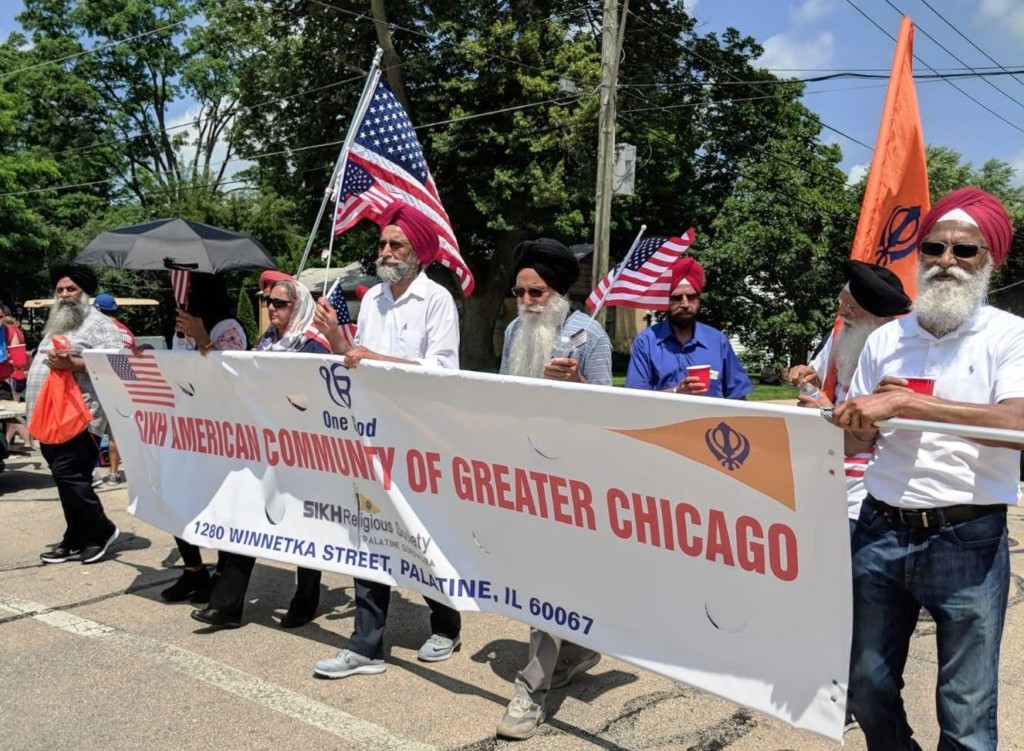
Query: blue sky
[819, 34]
[831, 34]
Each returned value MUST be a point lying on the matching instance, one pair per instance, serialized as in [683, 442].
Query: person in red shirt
[13, 369]
[107, 305]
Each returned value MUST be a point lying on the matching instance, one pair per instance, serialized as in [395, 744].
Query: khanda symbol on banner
[728, 446]
[899, 234]
[338, 384]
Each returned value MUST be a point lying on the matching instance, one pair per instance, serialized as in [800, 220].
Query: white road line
[360, 733]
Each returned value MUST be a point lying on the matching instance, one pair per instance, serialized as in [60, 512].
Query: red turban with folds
[361, 289]
[985, 209]
[418, 229]
[685, 269]
[270, 277]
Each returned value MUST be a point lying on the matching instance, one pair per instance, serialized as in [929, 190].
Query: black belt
[934, 518]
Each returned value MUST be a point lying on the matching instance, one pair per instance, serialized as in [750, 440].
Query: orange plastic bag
[60, 412]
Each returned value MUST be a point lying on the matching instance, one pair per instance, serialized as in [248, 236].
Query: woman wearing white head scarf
[291, 311]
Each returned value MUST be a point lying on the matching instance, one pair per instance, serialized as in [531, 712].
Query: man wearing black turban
[548, 340]
[89, 532]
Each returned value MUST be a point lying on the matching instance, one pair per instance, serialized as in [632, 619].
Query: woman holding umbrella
[207, 325]
[291, 311]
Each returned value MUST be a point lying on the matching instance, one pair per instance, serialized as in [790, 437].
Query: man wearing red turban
[682, 355]
[407, 318]
[936, 503]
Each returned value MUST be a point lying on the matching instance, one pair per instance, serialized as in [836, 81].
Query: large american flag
[385, 163]
[644, 280]
[142, 380]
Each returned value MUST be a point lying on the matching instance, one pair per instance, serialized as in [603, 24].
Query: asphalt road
[91, 658]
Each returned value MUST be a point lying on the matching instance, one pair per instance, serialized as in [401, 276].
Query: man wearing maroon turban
[407, 318]
[663, 354]
[936, 504]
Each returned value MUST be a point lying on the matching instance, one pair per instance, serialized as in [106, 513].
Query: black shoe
[190, 586]
[60, 554]
[217, 618]
[95, 553]
[297, 616]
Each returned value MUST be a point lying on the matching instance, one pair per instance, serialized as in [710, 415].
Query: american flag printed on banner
[181, 280]
[643, 282]
[336, 298]
[386, 163]
[142, 380]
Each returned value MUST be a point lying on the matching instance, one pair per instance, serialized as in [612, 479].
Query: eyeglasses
[276, 302]
[960, 250]
[534, 292]
[393, 244]
[683, 297]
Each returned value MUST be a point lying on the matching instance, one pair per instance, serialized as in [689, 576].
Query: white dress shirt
[422, 325]
[982, 362]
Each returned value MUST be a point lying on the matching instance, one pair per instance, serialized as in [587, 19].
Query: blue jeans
[961, 575]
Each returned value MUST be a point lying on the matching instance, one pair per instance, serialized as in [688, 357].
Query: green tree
[246, 316]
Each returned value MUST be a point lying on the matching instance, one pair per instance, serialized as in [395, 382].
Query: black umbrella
[176, 244]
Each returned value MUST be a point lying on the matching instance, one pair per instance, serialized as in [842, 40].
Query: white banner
[702, 539]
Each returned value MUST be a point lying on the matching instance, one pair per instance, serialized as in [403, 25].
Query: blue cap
[105, 303]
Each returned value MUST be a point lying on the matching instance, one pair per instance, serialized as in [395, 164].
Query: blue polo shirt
[658, 361]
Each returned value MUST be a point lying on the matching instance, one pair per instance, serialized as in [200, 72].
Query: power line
[8, 74]
[916, 57]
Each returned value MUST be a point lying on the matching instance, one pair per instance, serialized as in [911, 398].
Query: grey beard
[848, 346]
[66, 316]
[942, 307]
[535, 337]
[396, 271]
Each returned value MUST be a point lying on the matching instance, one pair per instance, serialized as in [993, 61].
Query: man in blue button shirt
[662, 353]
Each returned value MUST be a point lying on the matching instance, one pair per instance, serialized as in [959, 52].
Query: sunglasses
[960, 250]
[393, 244]
[275, 302]
[683, 297]
[534, 292]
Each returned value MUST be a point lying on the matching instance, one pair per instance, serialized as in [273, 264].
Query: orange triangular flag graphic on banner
[752, 450]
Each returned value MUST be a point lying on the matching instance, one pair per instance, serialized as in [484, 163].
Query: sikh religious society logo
[898, 235]
[751, 450]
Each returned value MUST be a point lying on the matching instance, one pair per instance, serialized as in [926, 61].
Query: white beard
[536, 335]
[395, 271]
[848, 345]
[942, 307]
[66, 316]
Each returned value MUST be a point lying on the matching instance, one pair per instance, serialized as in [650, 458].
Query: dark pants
[229, 588]
[191, 556]
[372, 601]
[71, 465]
[961, 575]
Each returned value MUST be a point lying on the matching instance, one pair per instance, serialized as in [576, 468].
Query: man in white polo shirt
[932, 531]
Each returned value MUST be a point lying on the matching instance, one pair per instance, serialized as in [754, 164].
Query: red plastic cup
[920, 385]
[703, 372]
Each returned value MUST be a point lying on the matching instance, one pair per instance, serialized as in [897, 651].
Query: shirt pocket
[411, 343]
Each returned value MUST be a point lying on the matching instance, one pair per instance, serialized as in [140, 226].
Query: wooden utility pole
[613, 28]
[392, 61]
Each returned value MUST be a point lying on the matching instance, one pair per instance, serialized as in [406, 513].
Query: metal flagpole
[949, 428]
[621, 267]
[339, 166]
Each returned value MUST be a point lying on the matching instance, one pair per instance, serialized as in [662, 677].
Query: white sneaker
[438, 648]
[348, 663]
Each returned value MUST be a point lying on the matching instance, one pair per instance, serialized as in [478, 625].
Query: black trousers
[191, 555]
[229, 587]
[71, 465]
[372, 602]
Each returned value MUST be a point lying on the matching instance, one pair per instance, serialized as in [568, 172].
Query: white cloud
[855, 173]
[788, 51]
[1009, 14]
[1017, 162]
[690, 5]
[810, 11]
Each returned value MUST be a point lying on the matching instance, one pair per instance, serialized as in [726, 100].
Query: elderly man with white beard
[873, 296]
[89, 532]
[549, 340]
[932, 531]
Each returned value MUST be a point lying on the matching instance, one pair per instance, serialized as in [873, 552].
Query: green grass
[761, 392]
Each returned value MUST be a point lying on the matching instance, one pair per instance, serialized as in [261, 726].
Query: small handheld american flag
[336, 299]
[181, 281]
[641, 280]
